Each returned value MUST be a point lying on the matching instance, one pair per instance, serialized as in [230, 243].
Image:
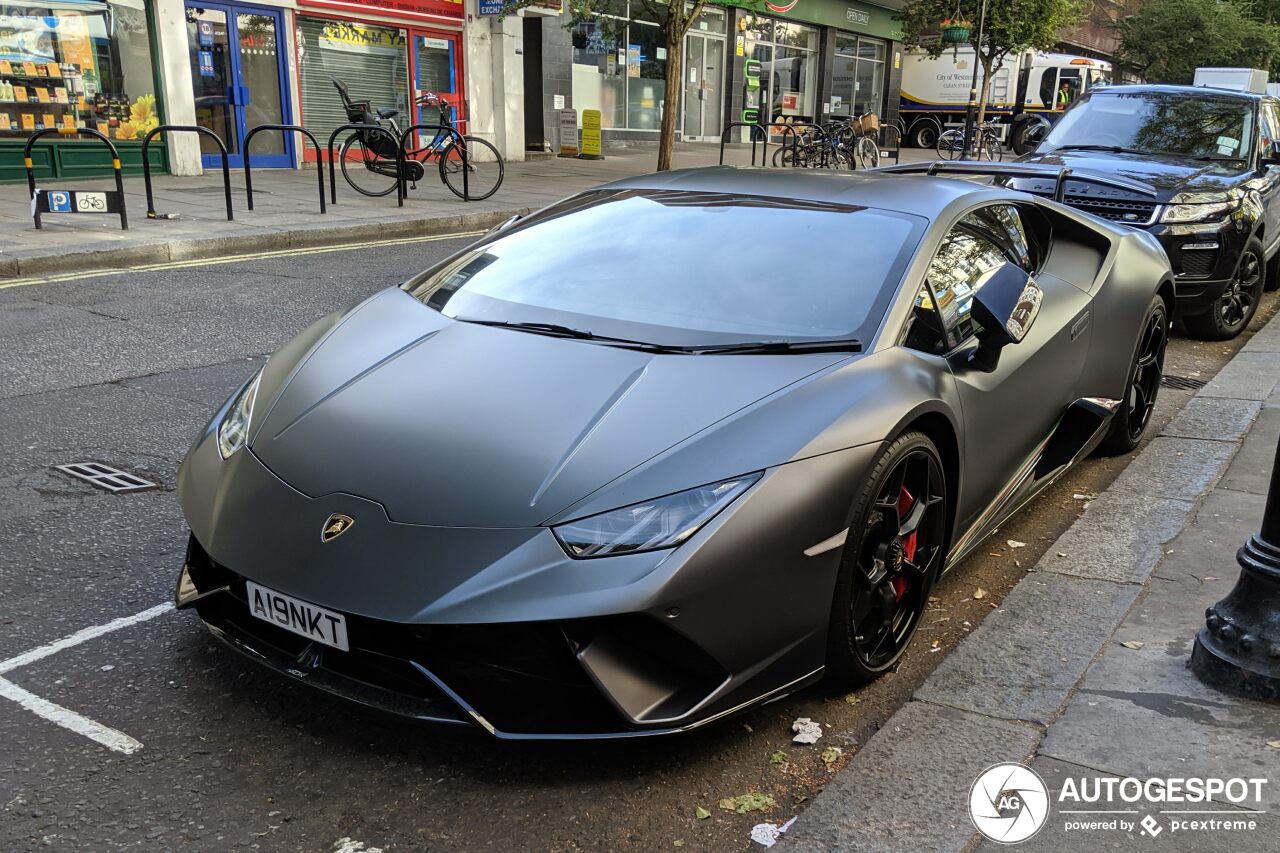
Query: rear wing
[1059, 176]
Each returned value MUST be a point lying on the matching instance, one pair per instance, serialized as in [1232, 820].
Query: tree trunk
[671, 94]
[984, 91]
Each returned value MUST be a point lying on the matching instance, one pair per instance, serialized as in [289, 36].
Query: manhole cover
[106, 477]
[1182, 383]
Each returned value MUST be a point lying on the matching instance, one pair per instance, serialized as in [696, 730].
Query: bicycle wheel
[951, 144]
[868, 153]
[366, 171]
[995, 151]
[484, 168]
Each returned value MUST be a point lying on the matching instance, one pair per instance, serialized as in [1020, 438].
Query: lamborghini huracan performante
[668, 449]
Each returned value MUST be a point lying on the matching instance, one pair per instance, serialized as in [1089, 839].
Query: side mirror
[1268, 161]
[1004, 308]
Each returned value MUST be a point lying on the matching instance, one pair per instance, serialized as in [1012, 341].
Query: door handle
[244, 95]
[231, 96]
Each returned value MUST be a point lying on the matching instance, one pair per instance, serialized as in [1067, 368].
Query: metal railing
[755, 127]
[80, 131]
[185, 128]
[294, 128]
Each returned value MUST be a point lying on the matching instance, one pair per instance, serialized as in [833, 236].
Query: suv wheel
[1233, 310]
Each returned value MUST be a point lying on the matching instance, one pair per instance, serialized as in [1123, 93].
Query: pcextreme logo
[1009, 803]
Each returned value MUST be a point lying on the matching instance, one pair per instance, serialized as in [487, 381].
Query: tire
[883, 584]
[951, 144]
[1231, 312]
[365, 170]
[924, 134]
[1026, 136]
[1142, 384]
[868, 153]
[485, 169]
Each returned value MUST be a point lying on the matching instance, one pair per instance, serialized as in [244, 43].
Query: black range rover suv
[1205, 169]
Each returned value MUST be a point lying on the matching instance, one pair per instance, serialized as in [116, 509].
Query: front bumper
[1203, 258]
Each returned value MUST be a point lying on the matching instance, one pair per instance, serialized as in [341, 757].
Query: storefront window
[788, 56]
[857, 76]
[372, 61]
[619, 68]
[71, 65]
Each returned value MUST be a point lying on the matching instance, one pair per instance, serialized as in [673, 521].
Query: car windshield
[1187, 125]
[684, 269]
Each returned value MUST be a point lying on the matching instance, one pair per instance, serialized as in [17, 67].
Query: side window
[1049, 88]
[1005, 223]
[925, 332]
[966, 259]
[1269, 130]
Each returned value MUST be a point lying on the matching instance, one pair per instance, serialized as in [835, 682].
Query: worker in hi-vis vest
[1064, 96]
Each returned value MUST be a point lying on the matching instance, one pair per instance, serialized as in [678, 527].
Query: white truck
[1237, 79]
[1024, 91]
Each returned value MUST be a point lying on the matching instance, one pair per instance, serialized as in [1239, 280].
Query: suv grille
[1198, 263]
[1116, 210]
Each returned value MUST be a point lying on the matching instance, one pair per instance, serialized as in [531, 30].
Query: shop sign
[591, 135]
[409, 8]
[491, 7]
[633, 60]
[569, 133]
[355, 38]
[857, 16]
[205, 33]
[842, 14]
[206, 63]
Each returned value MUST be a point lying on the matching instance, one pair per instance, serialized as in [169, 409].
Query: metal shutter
[371, 60]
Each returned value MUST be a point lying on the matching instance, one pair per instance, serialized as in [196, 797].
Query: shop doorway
[703, 96]
[238, 79]
[437, 66]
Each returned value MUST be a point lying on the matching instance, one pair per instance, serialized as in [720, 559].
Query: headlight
[233, 432]
[652, 525]
[1200, 207]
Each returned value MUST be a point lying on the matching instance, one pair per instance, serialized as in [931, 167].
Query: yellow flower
[143, 110]
[127, 130]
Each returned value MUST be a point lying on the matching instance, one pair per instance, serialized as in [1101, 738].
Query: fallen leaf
[778, 757]
[729, 804]
[753, 801]
[1014, 543]
[934, 598]
[1132, 644]
[679, 842]
[980, 593]
[853, 699]
[1274, 744]
[830, 755]
[701, 814]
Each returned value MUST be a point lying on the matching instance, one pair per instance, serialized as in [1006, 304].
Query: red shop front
[388, 52]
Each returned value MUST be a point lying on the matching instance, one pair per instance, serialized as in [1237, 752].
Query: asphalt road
[126, 368]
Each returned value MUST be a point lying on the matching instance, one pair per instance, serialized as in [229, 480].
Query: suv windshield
[683, 269]
[1182, 124]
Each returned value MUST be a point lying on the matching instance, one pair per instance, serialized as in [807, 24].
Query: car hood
[460, 425]
[1166, 175]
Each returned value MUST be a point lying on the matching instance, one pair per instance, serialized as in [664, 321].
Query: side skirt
[1081, 428]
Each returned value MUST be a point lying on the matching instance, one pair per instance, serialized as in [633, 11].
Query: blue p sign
[59, 202]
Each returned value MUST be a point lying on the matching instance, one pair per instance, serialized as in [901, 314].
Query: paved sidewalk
[1047, 680]
[287, 211]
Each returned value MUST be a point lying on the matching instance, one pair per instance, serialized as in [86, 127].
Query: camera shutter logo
[1009, 803]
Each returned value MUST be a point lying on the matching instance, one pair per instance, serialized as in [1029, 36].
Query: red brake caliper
[905, 502]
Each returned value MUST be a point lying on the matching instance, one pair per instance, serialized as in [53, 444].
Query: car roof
[914, 194]
[1171, 89]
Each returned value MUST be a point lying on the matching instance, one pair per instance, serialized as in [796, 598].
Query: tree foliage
[1010, 27]
[1168, 39]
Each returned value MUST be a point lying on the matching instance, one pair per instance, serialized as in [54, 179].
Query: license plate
[306, 620]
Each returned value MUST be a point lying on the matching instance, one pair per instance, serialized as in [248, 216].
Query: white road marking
[83, 635]
[68, 719]
[65, 717]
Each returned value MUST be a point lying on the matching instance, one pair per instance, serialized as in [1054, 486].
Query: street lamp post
[1238, 650]
[971, 111]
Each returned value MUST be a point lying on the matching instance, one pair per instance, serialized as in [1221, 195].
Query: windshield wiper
[1216, 158]
[556, 330]
[752, 347]
[1115, 148]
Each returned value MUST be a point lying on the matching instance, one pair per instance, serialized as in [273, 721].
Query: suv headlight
[233, 432]
[651, 525]
[1200, 207]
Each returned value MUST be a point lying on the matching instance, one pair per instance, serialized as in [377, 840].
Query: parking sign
[59, 202]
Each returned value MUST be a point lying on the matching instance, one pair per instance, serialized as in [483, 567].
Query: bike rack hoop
[185, 128]
[80, 131]
[755, 126]
[248, 175]
[333, 138]
[402, 189]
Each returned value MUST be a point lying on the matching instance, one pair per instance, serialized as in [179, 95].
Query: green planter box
[56, 158]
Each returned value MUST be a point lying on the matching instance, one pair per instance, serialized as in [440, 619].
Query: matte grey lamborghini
[667, 449]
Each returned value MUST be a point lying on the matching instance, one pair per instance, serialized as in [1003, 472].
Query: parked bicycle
[985, 144]
[845, 144]
[368, 157]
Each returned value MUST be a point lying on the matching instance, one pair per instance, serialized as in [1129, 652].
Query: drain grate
[1182, 383]
[105, 477]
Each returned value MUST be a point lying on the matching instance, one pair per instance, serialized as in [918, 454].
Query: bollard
[1238, 650]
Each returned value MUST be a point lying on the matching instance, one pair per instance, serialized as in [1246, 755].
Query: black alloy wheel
[893, 554]
[1134, 414]
[1233, 310]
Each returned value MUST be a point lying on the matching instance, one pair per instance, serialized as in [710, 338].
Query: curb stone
[257, 240]
[907, 788]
